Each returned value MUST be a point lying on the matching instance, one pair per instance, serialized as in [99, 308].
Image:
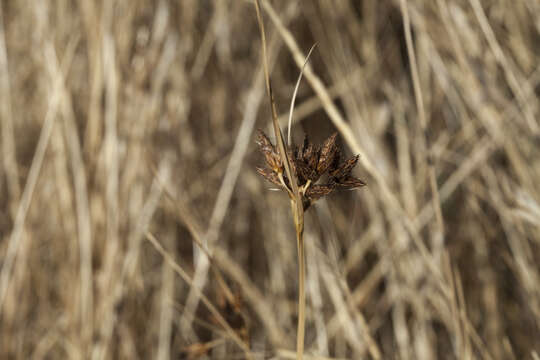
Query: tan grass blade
[279, 136]
[296, 91]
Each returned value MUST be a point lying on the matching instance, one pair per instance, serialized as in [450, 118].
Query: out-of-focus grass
[129, 120]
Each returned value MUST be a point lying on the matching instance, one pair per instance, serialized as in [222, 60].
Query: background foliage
[129, 120]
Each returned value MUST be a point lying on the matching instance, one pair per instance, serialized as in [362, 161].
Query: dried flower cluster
[309, 163]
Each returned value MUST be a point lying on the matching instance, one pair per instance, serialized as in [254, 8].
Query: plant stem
[301, 292]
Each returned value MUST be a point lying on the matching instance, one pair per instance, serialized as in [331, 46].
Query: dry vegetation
[128, 137]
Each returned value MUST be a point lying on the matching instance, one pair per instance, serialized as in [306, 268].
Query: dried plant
[309, 162]
[143, 128]
[296, 170]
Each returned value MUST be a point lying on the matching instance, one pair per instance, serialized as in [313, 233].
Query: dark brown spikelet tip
[308, 164]
[270, 176]
[315, 192]
[328, 153]
[344, 169]
[304, 147]
[303, 171]
[312, 157]
[350, 182]
[270, 154]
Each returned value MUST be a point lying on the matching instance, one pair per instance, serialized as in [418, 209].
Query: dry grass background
[128, 136]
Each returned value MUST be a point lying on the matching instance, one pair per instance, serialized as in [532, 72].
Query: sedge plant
[296, 171]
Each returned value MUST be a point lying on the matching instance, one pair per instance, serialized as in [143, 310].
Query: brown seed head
[309, 163]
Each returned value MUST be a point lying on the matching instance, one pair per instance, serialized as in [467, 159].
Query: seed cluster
[308, 164]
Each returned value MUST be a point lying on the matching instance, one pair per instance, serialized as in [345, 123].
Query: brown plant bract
[310, 163]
